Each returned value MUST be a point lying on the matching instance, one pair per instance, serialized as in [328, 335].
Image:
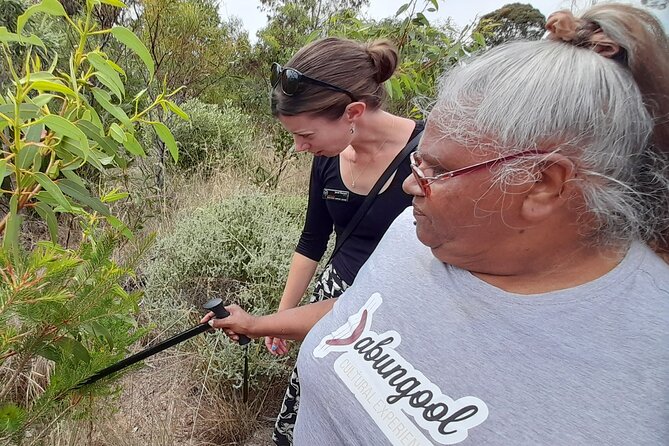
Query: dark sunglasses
[291, 79]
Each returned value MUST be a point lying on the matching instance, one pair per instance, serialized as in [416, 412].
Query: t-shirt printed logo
[399, 398]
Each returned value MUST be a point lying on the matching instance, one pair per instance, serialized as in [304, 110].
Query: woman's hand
[239, 322]
[276, 346]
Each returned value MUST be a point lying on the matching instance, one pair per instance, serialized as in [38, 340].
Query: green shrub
[63, 316]
[214, 134]
[239, 250]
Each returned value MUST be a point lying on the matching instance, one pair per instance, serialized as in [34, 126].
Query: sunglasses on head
[291, 80]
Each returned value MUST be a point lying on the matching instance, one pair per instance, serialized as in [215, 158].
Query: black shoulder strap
[364, 207]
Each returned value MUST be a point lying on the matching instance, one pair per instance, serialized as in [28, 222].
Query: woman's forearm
[302, 270]
[293, 323]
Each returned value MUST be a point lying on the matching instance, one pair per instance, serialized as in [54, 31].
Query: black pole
[215, 305]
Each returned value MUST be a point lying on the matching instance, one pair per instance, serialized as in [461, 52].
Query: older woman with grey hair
[530, 309]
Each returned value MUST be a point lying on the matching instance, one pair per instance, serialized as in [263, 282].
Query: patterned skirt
[329, 285]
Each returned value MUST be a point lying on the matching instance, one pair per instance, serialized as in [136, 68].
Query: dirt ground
[161, 406]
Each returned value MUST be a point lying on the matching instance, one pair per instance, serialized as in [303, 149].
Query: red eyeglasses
[424, 181]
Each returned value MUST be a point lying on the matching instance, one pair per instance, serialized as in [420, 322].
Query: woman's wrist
[284, 305]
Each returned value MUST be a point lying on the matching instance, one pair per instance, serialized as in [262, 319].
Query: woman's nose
[301, 145]
[411, 186]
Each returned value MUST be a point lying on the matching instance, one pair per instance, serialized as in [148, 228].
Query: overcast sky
[463, 12]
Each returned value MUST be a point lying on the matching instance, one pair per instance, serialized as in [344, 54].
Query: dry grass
[167, 404]
[212, 185]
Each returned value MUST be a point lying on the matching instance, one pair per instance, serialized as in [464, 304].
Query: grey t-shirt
[417, 352]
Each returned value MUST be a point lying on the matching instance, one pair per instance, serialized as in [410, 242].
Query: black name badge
[334, 194]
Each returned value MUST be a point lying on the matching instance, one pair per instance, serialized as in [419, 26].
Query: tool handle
[216, 305]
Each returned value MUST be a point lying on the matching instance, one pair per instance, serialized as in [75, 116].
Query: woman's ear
[354, 110]
[553, 184]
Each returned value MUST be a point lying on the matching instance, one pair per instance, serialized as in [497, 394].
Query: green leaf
[101, 331]
[26, 157]
[53, 190]
[74, 177]
[129, 39]
[39, 76]
[106, 74]
[51, 7]
[176, 109]
[115, 66]
[119, 226]
[82, 196]
[166, 136]
[3, 169]
[34, 133]
[139, 95]
[116, 132]
[52, 86]
[74, 147]
[132, 145]
[62, 126]
[114, 195]
[107, 144]
[43, 99]
[47, 214]
[103, 157]
[10, 239]
[49, 352]
[116, 3]
[6, 36]
[26, 111]
[402, 8]
[103, 98]
[73, 347]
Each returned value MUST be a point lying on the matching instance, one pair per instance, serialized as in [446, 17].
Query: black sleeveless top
[332, 205]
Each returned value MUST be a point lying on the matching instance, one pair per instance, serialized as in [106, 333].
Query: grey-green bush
[215, 133]
[239, 250]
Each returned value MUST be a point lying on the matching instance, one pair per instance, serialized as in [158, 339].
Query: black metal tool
[215, 305]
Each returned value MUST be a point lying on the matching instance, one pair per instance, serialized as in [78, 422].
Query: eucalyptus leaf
[52, 86]
[53, 189]
[108, 145]
[34, 132]
[176, 109]
[62, 126]
[74, 348]
[106, 74]
[119, 226]
[46, 212]
[26, 157]
[6, 36]
[166, 136]
[82, 196]
[10, 239]
[43, 99]
[132, 145]
[129, 39]
[103, 98]
[51, 7]
[115, 3]
[116, 132]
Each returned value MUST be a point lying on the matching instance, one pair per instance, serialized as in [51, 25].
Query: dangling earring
[352, 130]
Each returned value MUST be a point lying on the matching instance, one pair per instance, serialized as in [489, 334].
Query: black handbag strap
[364, 207]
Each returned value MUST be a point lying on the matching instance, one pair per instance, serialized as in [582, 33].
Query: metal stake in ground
[215, 305]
